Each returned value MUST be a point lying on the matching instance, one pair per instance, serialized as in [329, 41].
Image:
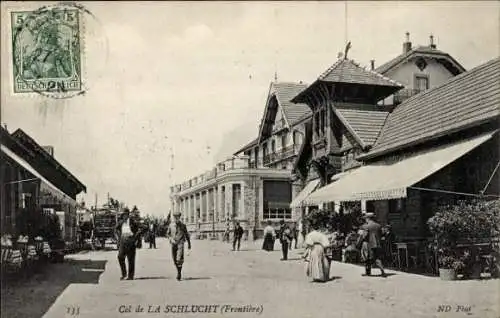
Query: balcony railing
[404, 94]
[227, 165]
[282, 154]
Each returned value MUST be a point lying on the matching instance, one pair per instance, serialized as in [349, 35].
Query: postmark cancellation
[46, 50]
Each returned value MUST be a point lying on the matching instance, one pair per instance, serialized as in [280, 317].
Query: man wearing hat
[285, 239]
[178, 235]
[127, 232]
[372, 232]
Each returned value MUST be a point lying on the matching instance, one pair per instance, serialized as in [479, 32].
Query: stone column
[242, 214]
[215, 202]
[219, 202]
[363, 206]
[229, 200]
[188, 211]
[185, 212]
[207, 206]
[195, 207]
[202, 208]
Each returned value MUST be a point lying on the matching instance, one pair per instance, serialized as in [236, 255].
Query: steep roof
[247, 146]
[292, 113]
[365, 124]
[424, 51]
[284, 93]
[466, 100]
[349, 72]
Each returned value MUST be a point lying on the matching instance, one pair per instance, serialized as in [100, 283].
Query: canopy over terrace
[390, 180]
[310, 187]
[45, 185]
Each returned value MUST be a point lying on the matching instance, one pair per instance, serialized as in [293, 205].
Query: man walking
[178, 235]
[127, 232]
[152, 235]
[285, 239]
[372, 249]
[238, 234]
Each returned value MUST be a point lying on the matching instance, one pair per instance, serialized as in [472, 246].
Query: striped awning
[308, 189]
[390, 180]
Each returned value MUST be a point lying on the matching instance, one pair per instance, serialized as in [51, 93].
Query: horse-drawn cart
[105, 221]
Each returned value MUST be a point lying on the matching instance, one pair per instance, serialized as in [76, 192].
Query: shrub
[477, 219]
[319, 218]
[465, 220]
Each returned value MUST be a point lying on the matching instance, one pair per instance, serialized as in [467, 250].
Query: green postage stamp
[46, 50]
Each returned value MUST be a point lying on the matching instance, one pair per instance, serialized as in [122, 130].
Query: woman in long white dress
[318, 265]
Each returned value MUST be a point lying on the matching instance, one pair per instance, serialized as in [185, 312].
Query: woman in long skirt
[318, 265]
[269, 238]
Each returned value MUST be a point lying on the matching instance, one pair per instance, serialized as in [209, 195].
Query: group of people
[129, 237]
[318, 254]
[286, 236]
[318, 243]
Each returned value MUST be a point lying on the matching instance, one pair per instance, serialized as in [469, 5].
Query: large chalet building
[350, 105]
[437, 147]
[309, 136]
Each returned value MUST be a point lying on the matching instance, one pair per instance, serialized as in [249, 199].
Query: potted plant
[449, 266]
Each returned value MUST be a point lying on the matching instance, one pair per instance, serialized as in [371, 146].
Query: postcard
[284, 159]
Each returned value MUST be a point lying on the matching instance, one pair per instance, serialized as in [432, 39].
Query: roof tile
[348, 71]
[366, 124]
[284, 93]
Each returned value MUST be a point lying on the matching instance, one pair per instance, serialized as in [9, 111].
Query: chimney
[432, 45]
[49, 149]
[407, 44]
[372, 64]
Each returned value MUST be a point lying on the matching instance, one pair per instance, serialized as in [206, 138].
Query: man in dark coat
[285, 239]
[127, 233]
[238, 234]
[152, 228]
[372, 233]
[178, 234]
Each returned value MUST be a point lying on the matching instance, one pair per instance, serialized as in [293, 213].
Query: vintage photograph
[278, 159]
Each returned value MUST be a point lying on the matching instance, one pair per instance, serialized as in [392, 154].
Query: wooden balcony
[282, 154]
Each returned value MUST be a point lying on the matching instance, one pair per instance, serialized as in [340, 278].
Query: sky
[172, 88]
